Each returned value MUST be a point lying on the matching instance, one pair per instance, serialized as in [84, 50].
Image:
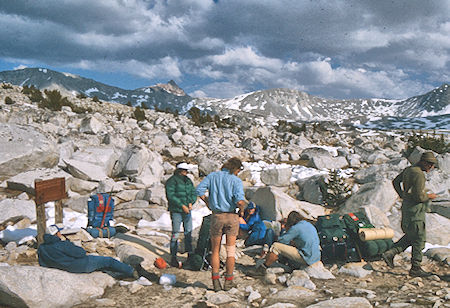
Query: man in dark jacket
[58, 252]
[414, 207]
[181, 194]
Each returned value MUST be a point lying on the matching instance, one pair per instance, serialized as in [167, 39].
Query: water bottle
[167, 279]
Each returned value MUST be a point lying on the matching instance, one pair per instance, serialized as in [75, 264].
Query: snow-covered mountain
[161, 96]
[430, 110]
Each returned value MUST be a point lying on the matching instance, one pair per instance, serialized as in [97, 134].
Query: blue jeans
[109, 264]
[268, 239]
[177, 219]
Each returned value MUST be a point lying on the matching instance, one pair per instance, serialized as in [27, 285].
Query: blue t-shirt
[225, 190]
[306, 240]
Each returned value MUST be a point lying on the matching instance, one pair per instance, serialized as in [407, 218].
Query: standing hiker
[299, 243]
[414, 207]
[181, 194]
[226, 193]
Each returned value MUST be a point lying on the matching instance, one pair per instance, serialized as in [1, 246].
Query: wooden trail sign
[46, 191]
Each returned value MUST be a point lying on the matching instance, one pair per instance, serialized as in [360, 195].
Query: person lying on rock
[256, 230]
[58, 252]
[299, 243]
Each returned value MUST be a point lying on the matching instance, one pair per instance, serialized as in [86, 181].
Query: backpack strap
[104, 211]
[353, 216]
[100, 232]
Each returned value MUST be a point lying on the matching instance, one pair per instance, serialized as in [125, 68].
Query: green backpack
[370, 250]
[334, 240]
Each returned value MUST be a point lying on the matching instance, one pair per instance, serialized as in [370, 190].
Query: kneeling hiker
[258, 234]
[300, 244]
[58, 252]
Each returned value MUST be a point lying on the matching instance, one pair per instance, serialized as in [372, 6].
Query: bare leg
[215, 250]
[231, 241]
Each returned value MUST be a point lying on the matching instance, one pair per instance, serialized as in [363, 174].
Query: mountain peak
[172, 88]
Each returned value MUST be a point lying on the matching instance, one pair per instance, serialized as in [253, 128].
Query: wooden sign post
[45, 191]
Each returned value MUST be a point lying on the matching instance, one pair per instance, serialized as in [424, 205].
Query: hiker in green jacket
[181, 194]
[414, 206]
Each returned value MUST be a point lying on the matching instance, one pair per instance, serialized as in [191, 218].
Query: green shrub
[6, 86]
[34, 94]
[53, 100]
[129, 104]
[81, 96]
[199, 117]
[432, 142]
[95, 99]
[28, 89]
[139, 114]
[9, 100]
[337, 190]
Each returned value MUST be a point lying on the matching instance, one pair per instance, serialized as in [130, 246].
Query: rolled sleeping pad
[369, 234]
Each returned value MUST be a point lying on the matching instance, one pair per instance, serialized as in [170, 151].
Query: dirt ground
[390, 286]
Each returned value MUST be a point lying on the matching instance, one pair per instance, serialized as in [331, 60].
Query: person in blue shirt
[299, 243]
[257, 232]
[58, 252]
[225, 195]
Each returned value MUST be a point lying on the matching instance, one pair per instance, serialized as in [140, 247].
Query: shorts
[224, 223]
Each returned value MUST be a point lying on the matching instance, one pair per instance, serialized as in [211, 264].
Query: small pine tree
[53, 100]
[9, 100]
[129, 104]
[6, 86]
[337, 192]
[95, 99]
[139, 114]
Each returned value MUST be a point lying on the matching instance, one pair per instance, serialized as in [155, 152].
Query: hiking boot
[216, 285]
[418, 272]
[228, 285]
[136, 274]
[175, 263]
[389, 259]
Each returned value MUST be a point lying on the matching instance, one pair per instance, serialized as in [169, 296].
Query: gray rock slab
[276, 176]
[276, 204]
[293, 293]
[441, 254]
[24, 148]
[441, 207]
[14, 210]
[347, 302]
[46, 287]
[438, 229]
[379, 194]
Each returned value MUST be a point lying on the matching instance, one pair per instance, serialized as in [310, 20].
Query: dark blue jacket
[255, 226]
[63, 255]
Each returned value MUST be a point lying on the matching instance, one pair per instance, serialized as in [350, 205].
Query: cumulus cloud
[341, 49]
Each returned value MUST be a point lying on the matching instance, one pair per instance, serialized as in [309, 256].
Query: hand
[432, 196]
[242, 221]
[241, 213]
[190, 206]
[185, 209]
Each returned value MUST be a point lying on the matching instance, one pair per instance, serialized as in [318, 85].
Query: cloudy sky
[222, 48]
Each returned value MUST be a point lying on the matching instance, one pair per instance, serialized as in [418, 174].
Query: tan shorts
[224, 223]
[287, 251]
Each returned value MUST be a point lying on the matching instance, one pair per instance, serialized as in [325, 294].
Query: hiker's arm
[72, 250]
[287, 237]
[192, 193]
[397, 184]
[201, 190]
[418, 189]
[241, 205]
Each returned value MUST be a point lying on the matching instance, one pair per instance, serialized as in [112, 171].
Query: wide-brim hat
[429, 157]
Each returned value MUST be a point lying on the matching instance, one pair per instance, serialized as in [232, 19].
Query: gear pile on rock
[101, 147]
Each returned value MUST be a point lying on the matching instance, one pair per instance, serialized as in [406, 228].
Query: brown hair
[293, 218]
[232, 165]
